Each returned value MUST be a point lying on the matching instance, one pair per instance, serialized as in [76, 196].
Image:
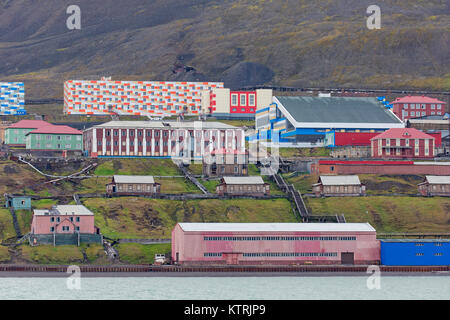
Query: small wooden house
[252, 186]
[435, 186]
[132, 185]
[339, 186]
[17, 202]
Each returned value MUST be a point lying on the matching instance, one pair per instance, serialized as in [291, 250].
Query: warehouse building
[435, 186]
[168, 139]
[298, 121]
[12, 98]
[243, 186]
[141, 98]
[52, 137]
[132, 185]
[406, 143]
[338, 186]
[410, 107]
[64, 225]
[415, 252]
[274, 243]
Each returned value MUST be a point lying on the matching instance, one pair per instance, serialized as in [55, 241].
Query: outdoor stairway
[193, 179]
[15, 222]
[299, 203]
[77, 199]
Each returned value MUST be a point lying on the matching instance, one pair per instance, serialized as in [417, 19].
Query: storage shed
[274, 243]
[339, 186]
[253, 186]
[132, 185]
[435, 186]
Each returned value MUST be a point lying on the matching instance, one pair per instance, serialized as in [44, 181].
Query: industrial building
[415, 252]
[274, 243]
[64, 225]
[406, 143]
[299, 121]
[242, 186]
[12, 98]
[435, 186]
[338, 186]
[132, 185]
[141, 98]
[418, 106]
[168, 139]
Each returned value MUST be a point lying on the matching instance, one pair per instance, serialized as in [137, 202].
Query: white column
[120, 142]
[144, 143]
[94, 139]
[202, 143]
[226, 139]
[153, 142]
[104, 142]
[177, 143]
[161, 146]
[233, 142]
[242, 140]
[185, 142]
[128, 142]
[135, 142]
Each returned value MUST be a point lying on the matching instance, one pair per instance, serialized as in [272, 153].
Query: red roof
[368, 162]
[52, 129]
[30, 124]
[417, 99]
[402, 133]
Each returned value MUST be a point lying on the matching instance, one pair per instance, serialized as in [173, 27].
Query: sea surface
[227, 288]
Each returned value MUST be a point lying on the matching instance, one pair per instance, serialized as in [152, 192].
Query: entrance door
[114, 189]
[347, 258]
[231, 258]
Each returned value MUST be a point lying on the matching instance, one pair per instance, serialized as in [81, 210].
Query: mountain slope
[283, 42]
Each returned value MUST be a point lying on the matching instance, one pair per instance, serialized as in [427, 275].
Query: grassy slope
[389, 214]
[135, 253]
[4, 254]
[6, 225]
[304, 152]
[156, 167]
[154, 218]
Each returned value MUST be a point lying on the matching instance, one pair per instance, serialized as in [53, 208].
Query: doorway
[347, 258]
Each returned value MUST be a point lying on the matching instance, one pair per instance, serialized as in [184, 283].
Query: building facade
[435, 186]
[132, 185]
[242, 186]
[15, 134]
[338, 186]
[415, 252]
[171, 139]
[141, 98]
[299, 121]
[54, 137]
[17, 202]
[406, 143]
[410, 107]
[222, 162]
[274, 243]
[12, 98]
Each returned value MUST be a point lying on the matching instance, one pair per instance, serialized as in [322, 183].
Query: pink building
[403, 143]
[417, 106]
[63, 219]
[274, 243]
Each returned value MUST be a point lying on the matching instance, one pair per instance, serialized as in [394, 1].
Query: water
[228, 288]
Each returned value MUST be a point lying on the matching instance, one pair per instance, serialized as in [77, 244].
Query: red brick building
[418, 106]
[403, 143]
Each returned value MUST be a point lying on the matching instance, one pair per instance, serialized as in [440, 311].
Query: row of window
[277, 254]
[58, 146]
[242, 99]
[437, 244]
[58, 219]
[65, 229]
[279, 238]
[437, 254]
[418, 113]
[420, 106]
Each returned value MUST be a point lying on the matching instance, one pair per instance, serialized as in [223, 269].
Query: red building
[403, 143]
[418, 106]
[274, 243]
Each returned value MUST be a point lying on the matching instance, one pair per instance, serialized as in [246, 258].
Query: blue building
[300, 121]
[12, 98]
[415, 252]
[18, 202]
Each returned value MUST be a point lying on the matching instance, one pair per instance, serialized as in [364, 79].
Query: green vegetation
[129, 217]
[6, 225]
[210, 185]
[301, 182]
[24, 218]
[388, 214]
[386, 184]
[43, 203]
[136, 253]
[156, 167]
[304, 152]
[4, 254]
[48, 254]
[177, 185]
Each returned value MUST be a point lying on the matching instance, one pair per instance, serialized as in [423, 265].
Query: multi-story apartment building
[12, 98]
[418, 106]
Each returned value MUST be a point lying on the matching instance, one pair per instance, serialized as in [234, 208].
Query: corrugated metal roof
[29, 124]
[337, 109]
[166, 124]
[52, 129]
[276, 227]
[133, 179]
[438, 179]
[417, 99]
[244, 180]
[65, 210]
[340, 180]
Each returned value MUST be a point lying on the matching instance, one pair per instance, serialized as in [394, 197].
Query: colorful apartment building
[53, 137]
[226, 103]
[274, 243]
[15, 134]
[142, 98]
[12, 98]
[170, 139]
[407, 143]
[418, 106]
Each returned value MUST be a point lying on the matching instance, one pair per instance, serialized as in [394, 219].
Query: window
[243, 98]
[77, 228]
[52, 219]
[251, 99]
[78, 219]
[52, 229]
